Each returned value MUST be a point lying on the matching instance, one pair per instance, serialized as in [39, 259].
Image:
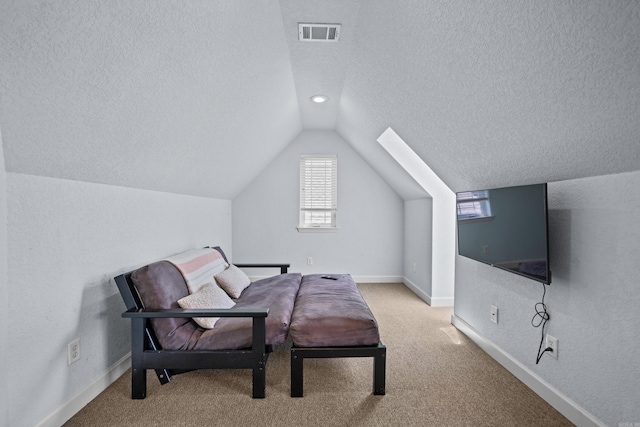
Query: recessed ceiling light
[319, 99]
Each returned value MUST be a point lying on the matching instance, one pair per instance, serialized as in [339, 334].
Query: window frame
[477, 204]
[318, 193]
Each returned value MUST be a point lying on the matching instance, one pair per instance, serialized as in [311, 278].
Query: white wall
[369, 242]
[66, 240]
[593, 299]
[417, 246]
[443, 204]
[4, 300]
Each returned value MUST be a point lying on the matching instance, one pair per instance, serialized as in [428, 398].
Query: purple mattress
[278, 293]
[332, 313]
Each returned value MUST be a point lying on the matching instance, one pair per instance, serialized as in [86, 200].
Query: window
[473, 205]
[318, 191]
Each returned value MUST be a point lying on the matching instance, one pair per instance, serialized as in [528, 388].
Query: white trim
[317, 229]
[318, 190]
[82, 398]
[357, 279]
[416, 290]
[567, 407]
[442, 302]
[443, 239]
[377, 279]
[433, 302]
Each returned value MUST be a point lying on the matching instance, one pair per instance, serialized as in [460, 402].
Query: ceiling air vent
[319, 32]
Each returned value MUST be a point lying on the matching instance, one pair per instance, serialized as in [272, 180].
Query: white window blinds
[473, 205]
[318, 190]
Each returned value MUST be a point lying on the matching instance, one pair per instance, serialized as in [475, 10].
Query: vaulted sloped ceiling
[192, 97]
[198, 97]
[500, 93]
[323, 68]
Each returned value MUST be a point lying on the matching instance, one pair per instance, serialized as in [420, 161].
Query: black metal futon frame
[146, 352]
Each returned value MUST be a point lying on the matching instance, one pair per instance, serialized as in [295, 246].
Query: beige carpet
[435, 377]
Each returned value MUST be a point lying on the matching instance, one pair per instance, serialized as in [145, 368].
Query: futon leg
[379, 372]
[138, 383]
[138, 372]
[379, 354]
[296, 374]
[259, 381]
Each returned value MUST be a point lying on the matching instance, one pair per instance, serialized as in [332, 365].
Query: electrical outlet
[414, 267]
[552, 343]
[309, 260]
[73, 351]
[494, 314]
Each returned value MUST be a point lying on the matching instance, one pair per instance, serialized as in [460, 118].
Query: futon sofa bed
[195, 310]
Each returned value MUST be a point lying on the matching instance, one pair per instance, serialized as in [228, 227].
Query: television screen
[506, 228]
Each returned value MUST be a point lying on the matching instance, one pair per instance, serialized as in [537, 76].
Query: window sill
[317, 229]
[480, 219]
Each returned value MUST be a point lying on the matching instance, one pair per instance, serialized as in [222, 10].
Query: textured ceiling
[189, 97]
[319, 67]
[499, 93]
[198, 97]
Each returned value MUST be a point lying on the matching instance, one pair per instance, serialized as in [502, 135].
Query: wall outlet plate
[73, 351]
[494, 314]
[552, 343]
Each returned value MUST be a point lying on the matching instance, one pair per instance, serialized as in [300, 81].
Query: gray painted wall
[593, 299]
[66, 240]
[369, 241]
[4, 295]
[417, 243]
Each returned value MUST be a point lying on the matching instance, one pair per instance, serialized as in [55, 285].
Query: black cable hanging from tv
[540, 319]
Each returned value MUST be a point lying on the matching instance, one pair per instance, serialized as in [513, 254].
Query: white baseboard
[80, 400]
[433, 302]
[377, 279]
[442, 302]
[416, 290]
[567, 407]
[357, 279]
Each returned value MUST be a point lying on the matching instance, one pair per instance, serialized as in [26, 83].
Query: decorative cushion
[209, 296]
[233, 281]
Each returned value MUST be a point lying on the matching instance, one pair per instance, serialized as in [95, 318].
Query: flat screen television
[506, 228]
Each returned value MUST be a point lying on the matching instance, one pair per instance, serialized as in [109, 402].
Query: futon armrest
[189, 312]
[283, 267]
